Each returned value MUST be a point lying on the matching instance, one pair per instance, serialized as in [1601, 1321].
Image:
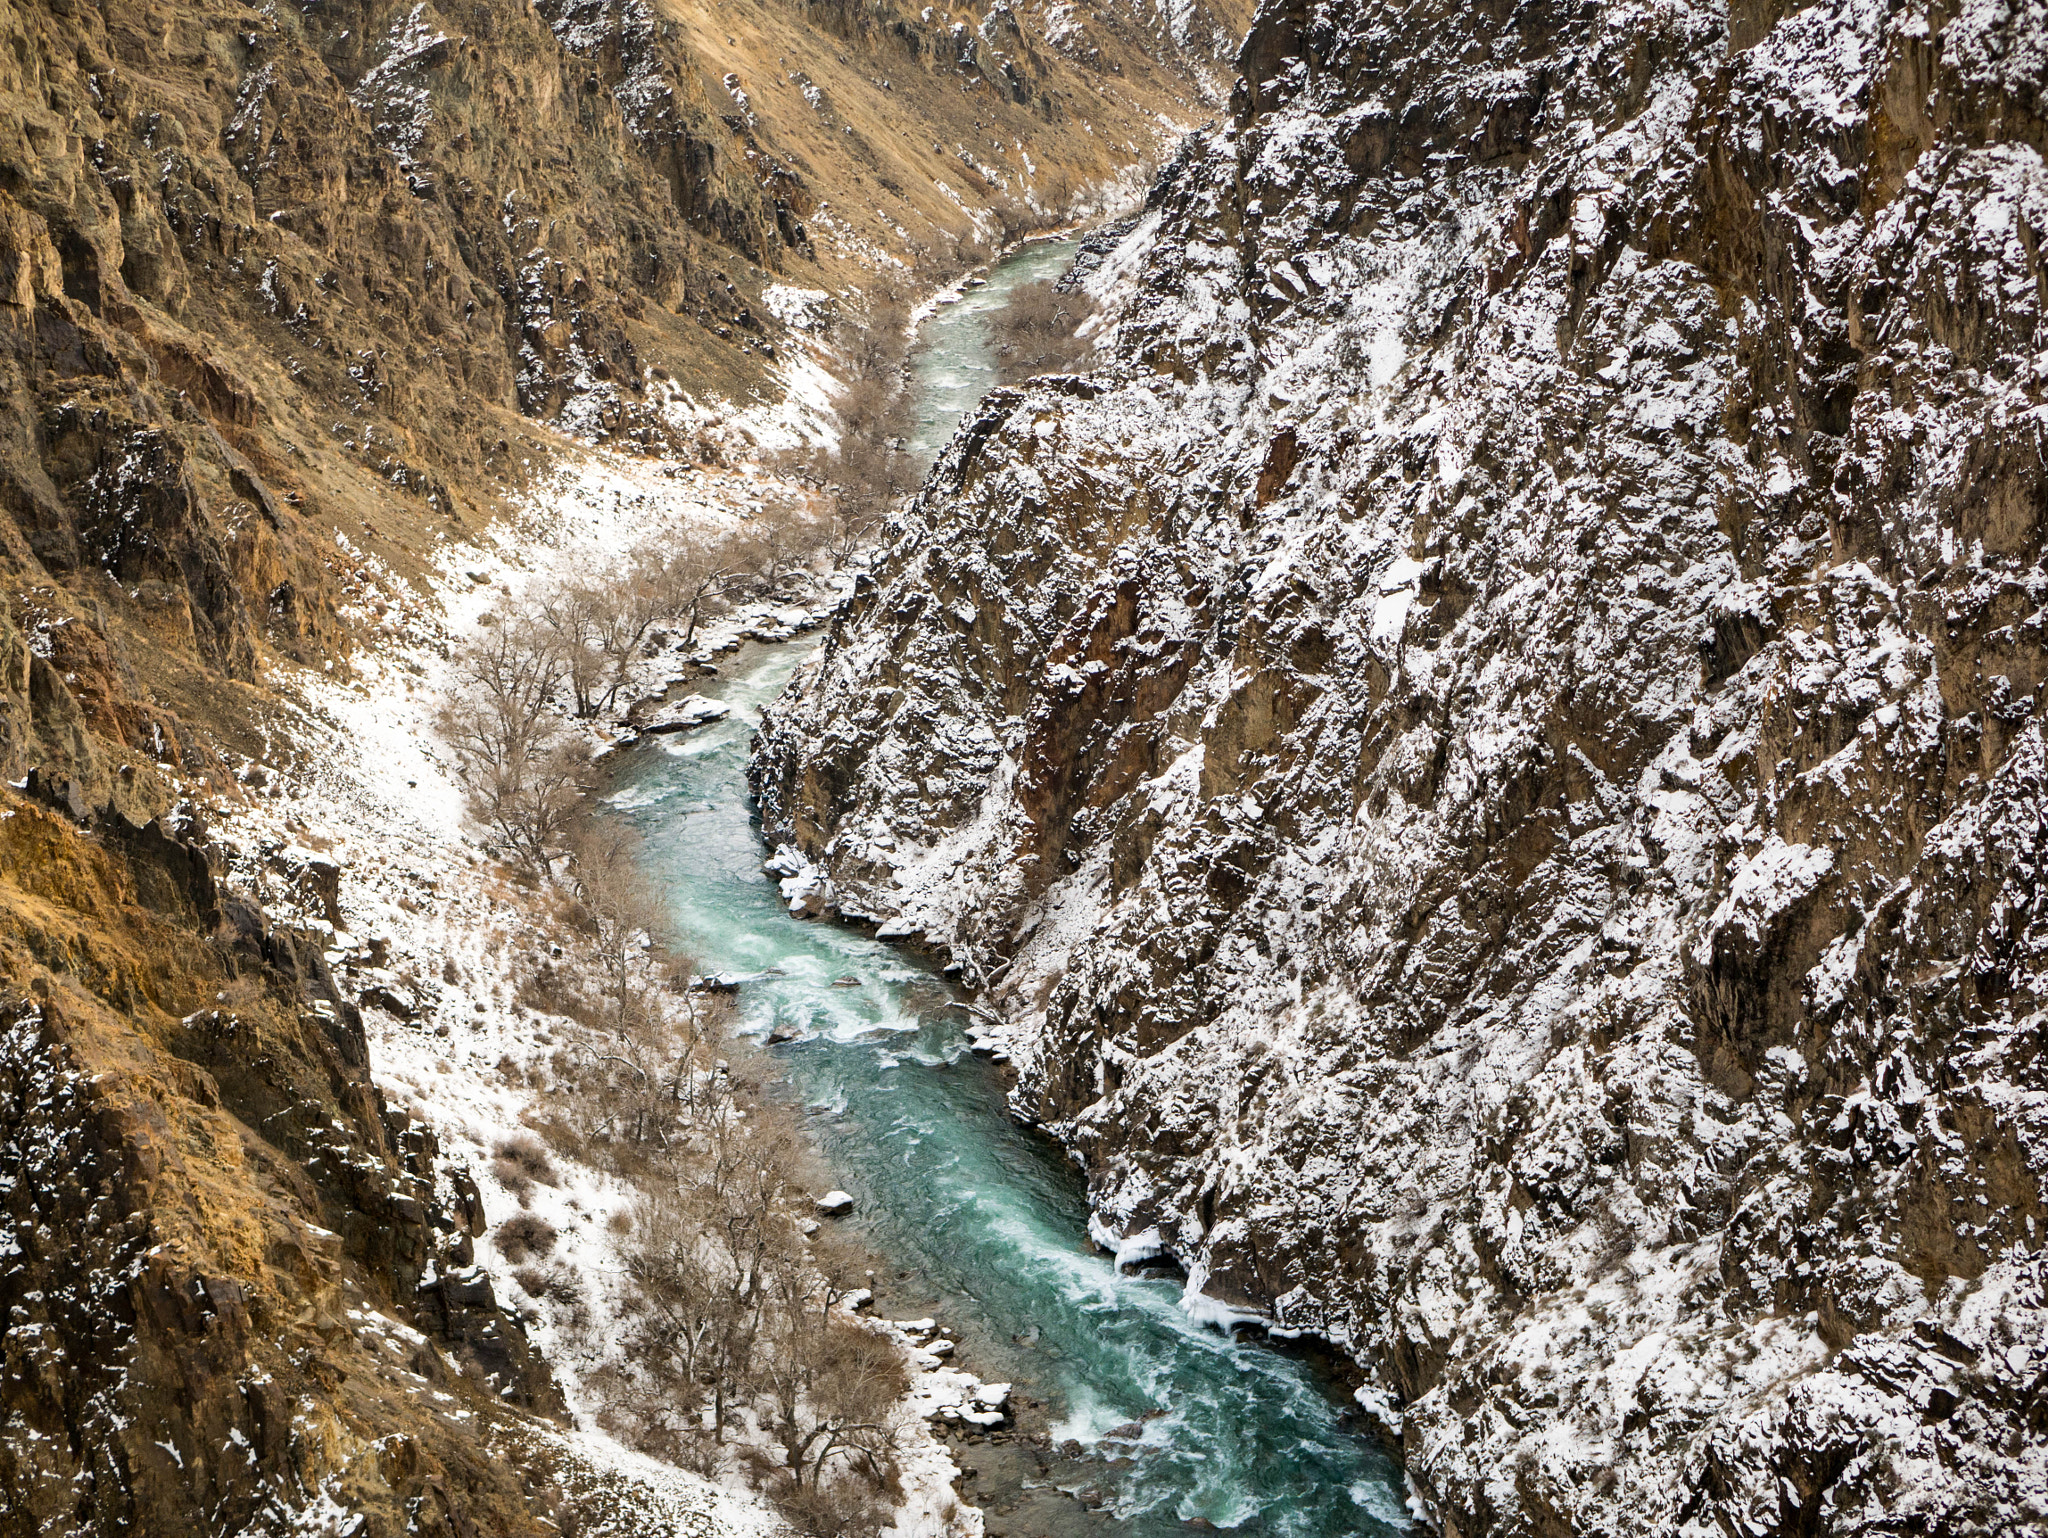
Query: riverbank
[433, 937]
[353, 828]
[366, 841]
[354, 825]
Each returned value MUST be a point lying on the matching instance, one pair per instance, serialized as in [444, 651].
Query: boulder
[386, 992]
[680, 715]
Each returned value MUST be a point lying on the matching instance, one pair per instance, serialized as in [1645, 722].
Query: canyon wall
[240, 1287]
[1489, 759]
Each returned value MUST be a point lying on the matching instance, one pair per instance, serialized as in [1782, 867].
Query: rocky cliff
[1489, 757]
[240, 1287]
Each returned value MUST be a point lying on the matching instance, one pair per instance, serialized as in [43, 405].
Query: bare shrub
[554, 1284]
[1034, 332]
[525, 1234]
[831, 1512]
[520, 1163]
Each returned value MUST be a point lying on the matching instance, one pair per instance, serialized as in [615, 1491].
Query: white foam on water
[1087, 1419]
[634, 797]
[697, 744]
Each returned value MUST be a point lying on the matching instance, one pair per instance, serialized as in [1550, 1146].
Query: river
[1165, 1421]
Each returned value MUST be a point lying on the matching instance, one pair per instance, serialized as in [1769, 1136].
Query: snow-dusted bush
[1035, 332]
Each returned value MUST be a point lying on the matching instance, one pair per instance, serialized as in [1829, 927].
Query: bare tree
[591, 632]
[781, 539]
[522, 771]
[863, 478]
[575, 618]
[1014, 219]
[717, 1247]
[875, 343]
[1035, 332]
[686, 578]
[686, 1335]
[832, 1385]
[871, 474]
[664, 584]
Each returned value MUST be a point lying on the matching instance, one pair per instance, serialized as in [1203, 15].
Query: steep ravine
[1489, 759]
[1125, 1405]
[1128, 1413]
[302, 308]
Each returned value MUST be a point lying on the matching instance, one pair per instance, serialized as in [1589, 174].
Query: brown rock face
[270, 277]
[238, 1290]
[1492, 759]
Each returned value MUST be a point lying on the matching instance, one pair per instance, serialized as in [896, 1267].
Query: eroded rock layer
[239, 1286]
[1490, 759]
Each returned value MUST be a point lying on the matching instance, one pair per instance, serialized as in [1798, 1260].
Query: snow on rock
[808, 892]
[1490, 760]
[680, 715]
[805, 309]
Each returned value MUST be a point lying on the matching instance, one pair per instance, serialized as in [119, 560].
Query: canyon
[1478, 774]
[307, 313]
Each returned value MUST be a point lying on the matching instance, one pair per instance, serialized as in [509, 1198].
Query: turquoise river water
[983, 1221]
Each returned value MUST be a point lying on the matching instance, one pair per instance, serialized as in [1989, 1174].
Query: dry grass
[520, 1163]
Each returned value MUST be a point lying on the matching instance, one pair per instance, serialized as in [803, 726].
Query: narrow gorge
[1023, 769]
[1126, 1406]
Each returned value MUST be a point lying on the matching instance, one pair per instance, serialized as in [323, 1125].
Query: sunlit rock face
[1489, 762]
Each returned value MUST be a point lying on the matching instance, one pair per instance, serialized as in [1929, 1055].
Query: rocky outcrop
[240, 1289]
[1490, 758]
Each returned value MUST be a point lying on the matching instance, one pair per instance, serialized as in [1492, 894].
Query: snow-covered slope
[1490, 758]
